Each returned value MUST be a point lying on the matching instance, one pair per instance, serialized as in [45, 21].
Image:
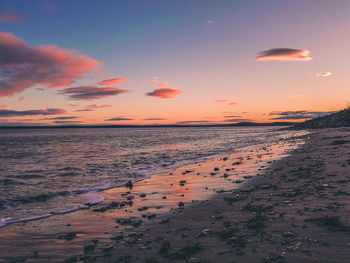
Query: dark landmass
[335, 120]
[240, 124]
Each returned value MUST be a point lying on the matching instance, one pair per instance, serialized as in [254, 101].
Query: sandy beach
[245, 207]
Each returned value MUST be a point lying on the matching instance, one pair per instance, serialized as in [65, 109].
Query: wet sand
[239, 208]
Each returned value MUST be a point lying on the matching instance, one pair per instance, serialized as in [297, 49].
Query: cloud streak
[298, 115]
[23, 66]
[164, 93]
[10, 18]
[94, 106]
[323, 74]
[14, 113]
[154, 119]
[235, 120]
[112, 81]
[284, 54]
[191, 122]
[226, 101]
[155, 79]
[91, 92]
[64, 118]
[163, 85]
[120, 119]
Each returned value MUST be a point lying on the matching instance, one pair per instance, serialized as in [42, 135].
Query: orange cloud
[10, 17]
[23, 66]
[324, 74]
[164, 93]
[284, 54]
[112, 81]
[163, 85]
[228, 101]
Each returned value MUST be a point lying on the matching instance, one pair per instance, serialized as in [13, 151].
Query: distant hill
[338, 119]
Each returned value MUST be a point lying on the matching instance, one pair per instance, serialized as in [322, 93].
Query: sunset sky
[172, 62]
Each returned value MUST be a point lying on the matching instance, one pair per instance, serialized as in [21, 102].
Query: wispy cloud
[10, 17]
[324, 74]
[94, 106]
[64, 118]
[232, 116]
[23, 66]
[209, 22]
[154, 119]
[14, 113]
[226, 101]
[298, 115]
[163, 85]
[91, 92]
[235, 120]
[112, 81]
[84, 110]
[165, 93]
[284, 54]
[155, 79]
[120, 119]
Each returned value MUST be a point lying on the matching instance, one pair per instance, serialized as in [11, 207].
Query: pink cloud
[227, 101]
[94, 106]
[10, 17]
[2, 107]
[284, 54]
[91, 92]
[112, 81]
[164, 93]
[23, 66]
[155, 79]
[324, 74]
[163, 85]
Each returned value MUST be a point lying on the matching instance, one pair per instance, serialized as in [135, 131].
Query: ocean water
[50, 171]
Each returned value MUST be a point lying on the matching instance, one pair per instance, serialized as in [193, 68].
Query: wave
[92, 195]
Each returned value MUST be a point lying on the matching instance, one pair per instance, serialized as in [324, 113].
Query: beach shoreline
[251, 223]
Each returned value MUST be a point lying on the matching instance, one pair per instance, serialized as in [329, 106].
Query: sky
[172, 62]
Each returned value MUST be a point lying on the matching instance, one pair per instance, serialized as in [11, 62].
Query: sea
[44, 172]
